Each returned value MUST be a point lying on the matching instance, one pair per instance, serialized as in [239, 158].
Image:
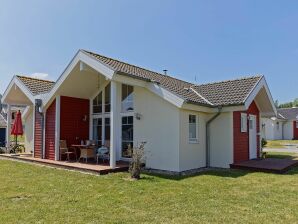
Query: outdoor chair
[102, 153]
[64, 150]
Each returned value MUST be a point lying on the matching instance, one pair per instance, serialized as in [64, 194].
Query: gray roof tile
[231, 92]
[288, 113]
[36, 86]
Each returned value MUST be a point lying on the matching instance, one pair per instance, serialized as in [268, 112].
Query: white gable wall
[267, 131]
[221, 141]
[288, 130]
[28, 132]
[159, 127]
[192, 155]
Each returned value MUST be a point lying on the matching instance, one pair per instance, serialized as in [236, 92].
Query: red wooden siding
[37, 135]
[73, 128]
[50, 131]
[295, 131]
[241, 140]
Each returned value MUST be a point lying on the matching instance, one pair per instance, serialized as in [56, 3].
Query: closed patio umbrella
[17, 128]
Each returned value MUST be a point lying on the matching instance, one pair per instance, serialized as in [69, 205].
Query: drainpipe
[208, 135]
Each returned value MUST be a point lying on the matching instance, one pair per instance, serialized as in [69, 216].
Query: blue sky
[212, 40]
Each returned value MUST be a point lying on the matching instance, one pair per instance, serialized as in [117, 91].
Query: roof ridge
[232, 80]
[91, 52]
[28, 77]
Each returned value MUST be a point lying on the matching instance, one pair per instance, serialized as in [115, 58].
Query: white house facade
[185, 126]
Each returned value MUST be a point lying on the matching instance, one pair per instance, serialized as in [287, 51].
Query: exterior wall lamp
[138, 116]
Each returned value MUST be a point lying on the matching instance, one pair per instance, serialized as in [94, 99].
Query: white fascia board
[165, 94]
[129, 80]
[268, 115]
[252, 95]
[80, 56]
[96, 64]
[233, 108]
[23, 88]
[194, 107]
[26, 112]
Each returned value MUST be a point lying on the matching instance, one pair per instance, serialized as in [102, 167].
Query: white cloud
[39, 75]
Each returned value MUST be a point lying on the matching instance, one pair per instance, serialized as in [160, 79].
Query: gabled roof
[288, 113]
[36, 86]
[174, 85]
[231, 92]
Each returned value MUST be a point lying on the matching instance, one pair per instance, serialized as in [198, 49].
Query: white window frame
[196, 139]
[243, 122]
[132, 101]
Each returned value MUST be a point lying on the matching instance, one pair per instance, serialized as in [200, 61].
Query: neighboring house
[13, 111]
[283, 126]
[3, 125]
[186, 126]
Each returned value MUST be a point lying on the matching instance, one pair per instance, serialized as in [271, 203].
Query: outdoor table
[85, 151]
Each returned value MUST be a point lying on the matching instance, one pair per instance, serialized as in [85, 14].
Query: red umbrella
[17, 128]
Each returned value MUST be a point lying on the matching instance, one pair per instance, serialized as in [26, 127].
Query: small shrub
[2, 150]
[137, 161]
[263, 142]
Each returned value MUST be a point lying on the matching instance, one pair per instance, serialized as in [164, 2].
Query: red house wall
[72, 127]
[50, 131]
[295, 130]
[241, 140]
[37, 135]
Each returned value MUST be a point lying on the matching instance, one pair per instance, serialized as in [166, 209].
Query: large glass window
[97, 130]
[108, 98]
[127, 98]
[107, 131]
[193, 128]
[97, 104]
[127, 136]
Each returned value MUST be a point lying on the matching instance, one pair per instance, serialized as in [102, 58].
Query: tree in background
[295, 103]
[289, 104]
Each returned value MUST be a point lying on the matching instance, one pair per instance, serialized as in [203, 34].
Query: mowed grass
[280, 143]
[34, 194]
[282, 155]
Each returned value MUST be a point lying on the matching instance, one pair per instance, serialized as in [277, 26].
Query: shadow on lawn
[230, 173]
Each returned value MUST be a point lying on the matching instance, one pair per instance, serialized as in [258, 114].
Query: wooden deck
[271, 165]
[91, 167]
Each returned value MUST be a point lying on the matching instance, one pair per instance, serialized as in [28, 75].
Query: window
[193, 128]
[107, 129]
[277, 126]
[97, 104]
[296, 123]
[97, 130]
[108, 98]
[127, 98]
[13, 115]
[98, 101]
[127, 136]
[243, 122]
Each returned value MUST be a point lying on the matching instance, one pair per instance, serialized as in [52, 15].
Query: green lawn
[280, 143]
[35, 194]
[282, 155]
